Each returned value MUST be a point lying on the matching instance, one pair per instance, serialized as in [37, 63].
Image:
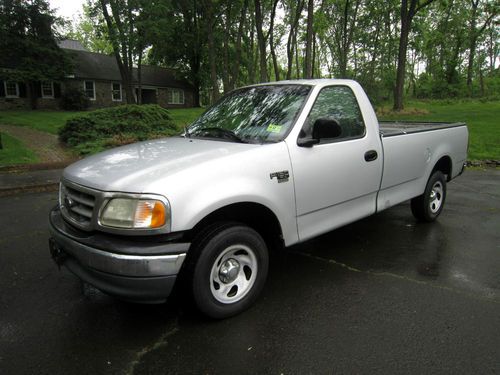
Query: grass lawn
[483, 121]
[47, 121]
[184, 117]
[14, 152]
[51, 121]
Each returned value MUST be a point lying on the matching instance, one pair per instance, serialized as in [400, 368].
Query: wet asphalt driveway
[384, 295]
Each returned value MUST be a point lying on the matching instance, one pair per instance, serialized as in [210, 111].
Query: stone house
[98, 76]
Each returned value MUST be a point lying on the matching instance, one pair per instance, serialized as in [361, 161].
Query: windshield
[252, 115]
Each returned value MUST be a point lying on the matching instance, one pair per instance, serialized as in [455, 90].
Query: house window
[11, 89]
[175, 96]
[89, 89]
[48, 90]
[116, 92]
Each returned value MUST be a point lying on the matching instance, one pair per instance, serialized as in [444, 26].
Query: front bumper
[142, 270]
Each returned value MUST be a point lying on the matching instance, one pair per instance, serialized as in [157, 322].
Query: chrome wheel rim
[436, 197]
[233, 274]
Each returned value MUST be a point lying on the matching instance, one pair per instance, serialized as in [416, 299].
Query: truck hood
[133, 167]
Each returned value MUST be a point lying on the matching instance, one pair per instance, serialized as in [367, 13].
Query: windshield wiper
[226, 133]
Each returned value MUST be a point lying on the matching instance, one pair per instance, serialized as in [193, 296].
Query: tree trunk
[344, 47]
[250, 58]
[472, 45]
[213, 68]
[481, 81]
[292, 37]
[309, 40]
[195, 65]
[313, 62]
[124, 71]
[236, 65]
[375, 44]
[407, 14]
[451, 68]
[271, 42]
[193, 28]
[400, 74]
[261, 41]
[139, 79]
[296, 48]
[211, 52]
[226, 70]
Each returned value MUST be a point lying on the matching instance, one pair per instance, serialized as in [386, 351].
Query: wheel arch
[444, 164]
[256, 215]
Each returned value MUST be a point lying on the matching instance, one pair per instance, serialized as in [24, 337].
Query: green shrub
[110, 127]
[74, 99]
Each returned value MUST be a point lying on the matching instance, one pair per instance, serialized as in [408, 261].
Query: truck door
[336, 181]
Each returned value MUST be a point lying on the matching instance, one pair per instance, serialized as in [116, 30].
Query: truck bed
[392, 128]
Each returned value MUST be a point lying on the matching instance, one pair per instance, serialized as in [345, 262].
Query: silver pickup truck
[268, 165]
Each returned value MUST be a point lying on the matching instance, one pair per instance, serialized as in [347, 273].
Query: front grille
[77, 205]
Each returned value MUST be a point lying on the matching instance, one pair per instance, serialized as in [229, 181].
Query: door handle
[371, 155]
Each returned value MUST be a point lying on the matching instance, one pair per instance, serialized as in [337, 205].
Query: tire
[429, 205]
[227, 270]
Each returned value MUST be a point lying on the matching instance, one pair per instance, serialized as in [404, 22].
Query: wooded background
[394, 48]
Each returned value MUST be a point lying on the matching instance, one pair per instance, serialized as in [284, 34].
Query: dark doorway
[148, 96]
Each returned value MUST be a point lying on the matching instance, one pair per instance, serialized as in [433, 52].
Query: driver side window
[336, 103]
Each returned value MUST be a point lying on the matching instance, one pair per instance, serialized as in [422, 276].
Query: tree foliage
[90, 30]
[28, 46]
[395, 48]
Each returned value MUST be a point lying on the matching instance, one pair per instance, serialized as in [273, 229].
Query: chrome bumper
[140, 270]
[119, 264]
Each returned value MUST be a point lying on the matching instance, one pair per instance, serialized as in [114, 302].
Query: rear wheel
[429, 205]
[228, 269]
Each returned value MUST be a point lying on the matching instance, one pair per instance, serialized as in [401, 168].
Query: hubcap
[229, 271]
[233, 274]
[436, 197]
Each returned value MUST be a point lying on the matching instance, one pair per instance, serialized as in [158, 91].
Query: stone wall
[13, 103]
[103, 98]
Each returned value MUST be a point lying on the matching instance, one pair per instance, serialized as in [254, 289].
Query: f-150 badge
[281, 176]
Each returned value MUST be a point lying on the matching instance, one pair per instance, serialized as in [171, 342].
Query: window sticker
[273, 128]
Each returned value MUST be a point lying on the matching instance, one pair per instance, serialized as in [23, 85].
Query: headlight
[135, 213]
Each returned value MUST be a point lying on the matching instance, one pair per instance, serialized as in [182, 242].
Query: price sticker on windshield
[273, 128]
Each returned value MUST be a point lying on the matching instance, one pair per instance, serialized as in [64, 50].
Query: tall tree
[120, 23]
[28, 49]
[409, 8]
[186, 53]
[308, 71]
[259, 20]
[338, 35]
[236, 63]
[490, 11]
[294, 14]
[271, 42]
[210, 22]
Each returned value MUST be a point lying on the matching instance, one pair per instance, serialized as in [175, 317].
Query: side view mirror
[322, 128]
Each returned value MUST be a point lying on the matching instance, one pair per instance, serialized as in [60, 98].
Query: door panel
[334, 183]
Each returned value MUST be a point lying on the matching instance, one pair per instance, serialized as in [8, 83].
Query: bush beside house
[110, 127]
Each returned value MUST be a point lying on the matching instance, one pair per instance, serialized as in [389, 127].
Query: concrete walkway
[46, 146]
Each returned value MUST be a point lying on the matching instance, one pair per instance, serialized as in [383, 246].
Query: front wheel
[429, 205]
[229, 269]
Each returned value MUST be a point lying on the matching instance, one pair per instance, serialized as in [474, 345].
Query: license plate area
[57, 254]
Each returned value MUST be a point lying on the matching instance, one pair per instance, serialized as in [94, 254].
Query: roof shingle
[96, 66]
